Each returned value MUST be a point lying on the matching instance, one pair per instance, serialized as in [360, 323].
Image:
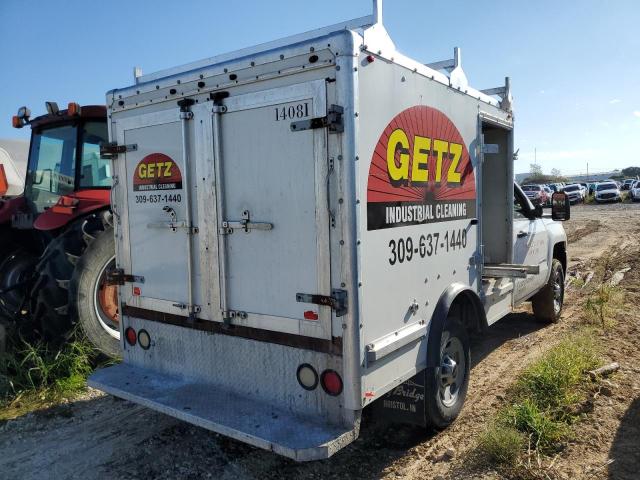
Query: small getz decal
[157, 171]
[420, 172]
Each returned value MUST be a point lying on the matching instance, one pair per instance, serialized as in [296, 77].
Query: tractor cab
[64, 157]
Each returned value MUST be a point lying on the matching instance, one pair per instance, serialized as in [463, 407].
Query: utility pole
[587, 171]
[535, 155]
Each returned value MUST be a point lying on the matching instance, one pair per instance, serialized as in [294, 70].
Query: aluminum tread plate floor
[245, 419]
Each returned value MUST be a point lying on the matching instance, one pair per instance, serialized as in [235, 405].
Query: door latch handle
[522, 234]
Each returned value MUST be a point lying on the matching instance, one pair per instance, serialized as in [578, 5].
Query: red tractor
[56, 239]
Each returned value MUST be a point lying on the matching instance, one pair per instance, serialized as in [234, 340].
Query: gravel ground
[98, 436]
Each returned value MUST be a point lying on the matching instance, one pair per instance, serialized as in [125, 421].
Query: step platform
[263, 425]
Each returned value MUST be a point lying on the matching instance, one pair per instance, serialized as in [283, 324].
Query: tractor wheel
[50, 292]
[96, 303]
[16, 265]
[57, 298]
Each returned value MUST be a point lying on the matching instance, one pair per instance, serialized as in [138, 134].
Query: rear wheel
[71, 287]
[16, 267]
[446, 385]
[96, 302]
[547, 303]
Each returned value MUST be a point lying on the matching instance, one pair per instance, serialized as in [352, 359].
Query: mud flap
[404, 403]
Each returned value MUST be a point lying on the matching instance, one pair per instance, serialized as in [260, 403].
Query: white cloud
[614, 100]
[636, 113]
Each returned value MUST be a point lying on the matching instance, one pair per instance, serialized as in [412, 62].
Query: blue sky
[574, 64]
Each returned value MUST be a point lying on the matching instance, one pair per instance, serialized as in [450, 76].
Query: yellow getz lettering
[453, 176]
[421, 147]
[167, 168]
[151, 170]
[441, 147]
[142, 170]
[398, 172]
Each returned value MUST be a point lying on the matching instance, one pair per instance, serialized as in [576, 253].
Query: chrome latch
[174, 224]
[245, 224]
[110, 151]
[333, 121]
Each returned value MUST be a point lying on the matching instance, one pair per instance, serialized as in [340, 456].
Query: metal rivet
[343, 284]
[340, 200]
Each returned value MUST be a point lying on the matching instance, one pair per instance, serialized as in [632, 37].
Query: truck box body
[310, 204]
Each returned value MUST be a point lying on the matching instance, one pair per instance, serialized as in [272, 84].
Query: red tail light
[331, 382]
[130, 335]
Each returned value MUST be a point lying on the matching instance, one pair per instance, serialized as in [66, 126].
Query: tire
[87, 286]
[443, 402]
[49, 298]
[547, 303]
[53, 301]
[16, 267]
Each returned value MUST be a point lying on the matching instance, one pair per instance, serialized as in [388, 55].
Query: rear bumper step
[232, 415]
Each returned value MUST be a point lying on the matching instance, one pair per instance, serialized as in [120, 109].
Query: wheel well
[560, 253]
[468, 308]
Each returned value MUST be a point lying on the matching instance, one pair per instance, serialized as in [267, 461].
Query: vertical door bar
[222, 234]
[185, 116]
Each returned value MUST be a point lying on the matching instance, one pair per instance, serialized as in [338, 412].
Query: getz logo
[155, 170]
[412, 167]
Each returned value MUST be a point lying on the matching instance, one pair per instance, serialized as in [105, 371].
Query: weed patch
[35, 375]
[542, 404]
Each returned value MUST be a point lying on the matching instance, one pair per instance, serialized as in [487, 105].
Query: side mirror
[560, 206]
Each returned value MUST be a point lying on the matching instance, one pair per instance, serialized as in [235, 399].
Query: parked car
[536, 193]
[549, 194]
[575, 193]
[608, 192]
[626, 185]
[634, 191]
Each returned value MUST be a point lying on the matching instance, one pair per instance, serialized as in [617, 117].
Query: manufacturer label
[420, 172]
[157, 171]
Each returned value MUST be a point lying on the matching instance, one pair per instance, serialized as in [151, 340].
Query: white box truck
[313, 226]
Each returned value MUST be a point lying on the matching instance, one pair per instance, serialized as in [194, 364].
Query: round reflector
[130, 335]
[144, 339]
[331, 382]
[307, 376]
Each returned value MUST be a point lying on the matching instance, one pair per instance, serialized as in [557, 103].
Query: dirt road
[98, 436]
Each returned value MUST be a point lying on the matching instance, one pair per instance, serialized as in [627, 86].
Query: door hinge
[333, 121]
[110, 151]
[337, 301]
[118, 277]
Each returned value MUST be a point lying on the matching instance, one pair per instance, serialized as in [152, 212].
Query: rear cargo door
[274, 226]
[151, 194]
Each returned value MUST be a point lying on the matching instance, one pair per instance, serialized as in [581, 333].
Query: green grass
[543, 402]
[35, 375]
[501, 444]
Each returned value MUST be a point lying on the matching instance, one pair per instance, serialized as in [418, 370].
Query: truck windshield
[531, 188]
[52, 165]
[605, 186]
[571, 188]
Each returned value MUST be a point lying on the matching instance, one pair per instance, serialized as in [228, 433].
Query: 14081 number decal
[291, 112]
[406, 249]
